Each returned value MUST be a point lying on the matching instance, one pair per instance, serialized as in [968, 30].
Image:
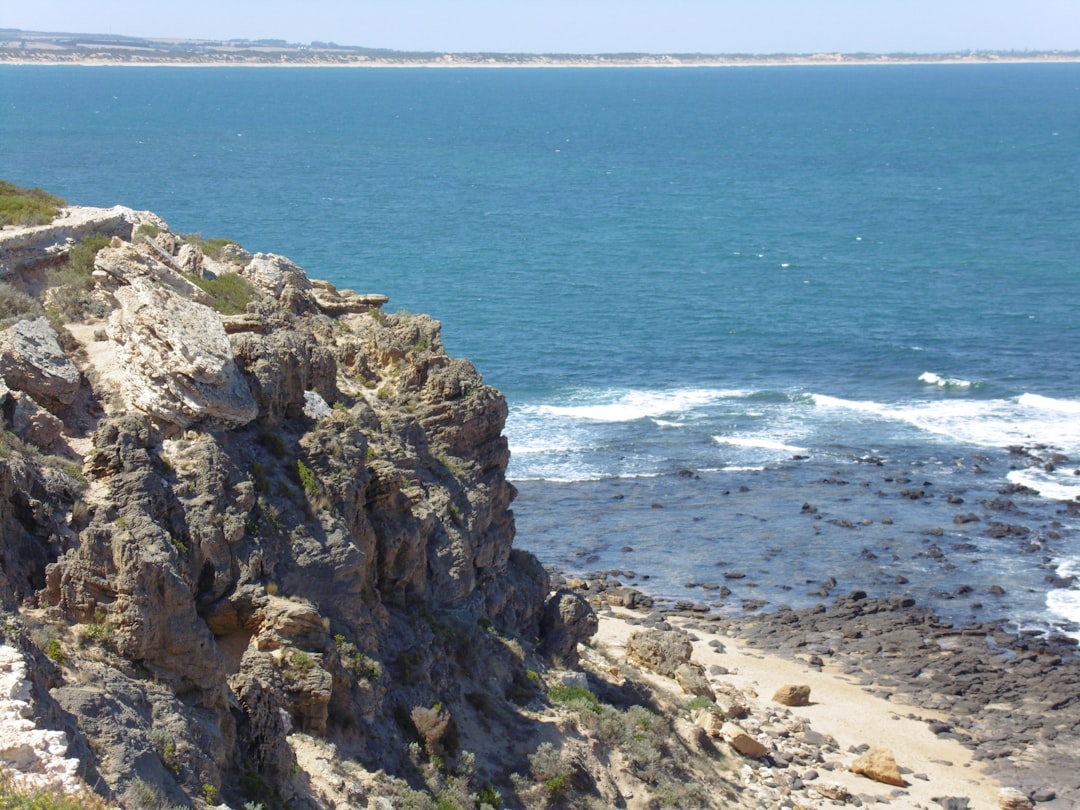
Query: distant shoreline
[27, 48]
[537, 64]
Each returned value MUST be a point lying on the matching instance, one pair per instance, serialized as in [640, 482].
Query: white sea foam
[1039, 402]
[759, 442]
[1065, 602]
[1058, 485]
[629, 406]
[1027, 419]
[930, 378]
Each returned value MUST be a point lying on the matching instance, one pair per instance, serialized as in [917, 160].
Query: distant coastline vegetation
[27, 206]
[34, 47]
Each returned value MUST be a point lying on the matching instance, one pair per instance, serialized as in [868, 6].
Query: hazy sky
[582, 26]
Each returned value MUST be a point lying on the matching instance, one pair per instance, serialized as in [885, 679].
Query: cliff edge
[252, 522]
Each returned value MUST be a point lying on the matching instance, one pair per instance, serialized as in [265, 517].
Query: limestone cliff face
[223, 528]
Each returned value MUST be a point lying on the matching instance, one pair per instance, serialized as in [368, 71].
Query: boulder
[792, 695]
[176, 361]
[691, 677]
[33, 424]
[741, 740]
[568, 620]
[32, 360]
[878, 764]
[661, 651]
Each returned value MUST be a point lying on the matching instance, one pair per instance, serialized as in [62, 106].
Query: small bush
[230, 292]
[27, 206]
[571, 695]
[80, 258]
[55, 651]
[147, 229]
[307, 478]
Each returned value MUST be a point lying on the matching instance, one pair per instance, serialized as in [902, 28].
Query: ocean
[767, 334]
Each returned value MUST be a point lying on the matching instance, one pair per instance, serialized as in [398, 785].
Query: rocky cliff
[241, 509]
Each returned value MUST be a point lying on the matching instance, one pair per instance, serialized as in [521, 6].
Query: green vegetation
[230, 292]
[27, 206]
[55, 651]
[147, 229]
[702, 702]
[81, 257]
[361, 665]
[307, 478]
[572, 696]
[70, 298]
[301, 660]
[214, 248]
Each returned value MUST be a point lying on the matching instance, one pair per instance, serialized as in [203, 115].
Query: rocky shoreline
[1011, 698]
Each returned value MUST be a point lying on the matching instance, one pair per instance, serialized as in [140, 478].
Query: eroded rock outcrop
[268, 508]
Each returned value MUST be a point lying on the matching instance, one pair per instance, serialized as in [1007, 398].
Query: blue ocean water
[711, 296]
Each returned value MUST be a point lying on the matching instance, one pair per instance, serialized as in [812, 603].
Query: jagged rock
[792, 695]
[243, 560]
[32, 360]
[568, 620]
[33, 424]
[122, 264]
[1012, 799]
[691, 677]
[878, 764]
[282, 280]
[281, 367]
[741, 740]
[662, 651]
[189, 259]
[176, 361]
[340, 302]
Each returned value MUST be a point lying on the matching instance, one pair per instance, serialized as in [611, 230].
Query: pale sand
[843, 710]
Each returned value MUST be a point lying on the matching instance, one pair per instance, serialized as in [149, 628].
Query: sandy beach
[839, 708]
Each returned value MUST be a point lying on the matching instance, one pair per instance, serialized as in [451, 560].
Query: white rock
[176, 360]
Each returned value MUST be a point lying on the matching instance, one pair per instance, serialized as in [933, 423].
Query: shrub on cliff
[230, 292]
[27, 206]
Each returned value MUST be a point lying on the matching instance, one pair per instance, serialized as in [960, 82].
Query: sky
[583, 26]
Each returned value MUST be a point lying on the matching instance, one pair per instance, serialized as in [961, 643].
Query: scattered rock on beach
[662, 651]
[1013, 799]
[792, 695]
[880, 765]
[739, 739]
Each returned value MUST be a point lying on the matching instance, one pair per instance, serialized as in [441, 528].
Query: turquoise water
[758, 276]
